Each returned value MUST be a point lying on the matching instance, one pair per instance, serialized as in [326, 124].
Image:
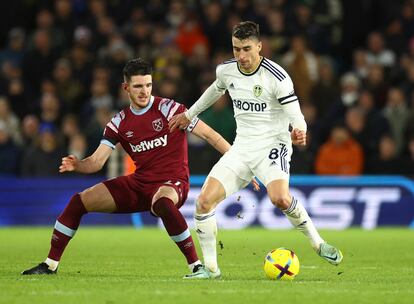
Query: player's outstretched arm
[90, 164]
[205, 132]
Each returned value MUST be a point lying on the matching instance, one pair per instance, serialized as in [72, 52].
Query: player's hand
[179, 121]
[255, 184]
[298, 137]
[69, 163]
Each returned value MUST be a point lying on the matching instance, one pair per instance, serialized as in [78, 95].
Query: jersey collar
[144, 110]
[252, 73]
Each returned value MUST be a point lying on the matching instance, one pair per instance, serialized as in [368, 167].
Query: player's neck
[253, 67]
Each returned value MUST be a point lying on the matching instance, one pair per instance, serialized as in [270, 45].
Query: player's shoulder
[119, 117]
[227, 65]
[274, 70]
[167, 106]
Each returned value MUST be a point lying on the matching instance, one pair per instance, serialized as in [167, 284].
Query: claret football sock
[300, 219]
[176, 227]
[206, 228]
[65, 228]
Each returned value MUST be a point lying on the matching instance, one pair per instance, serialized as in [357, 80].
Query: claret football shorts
[132, 195]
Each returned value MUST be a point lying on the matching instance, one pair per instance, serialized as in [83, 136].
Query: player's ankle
[53, 265]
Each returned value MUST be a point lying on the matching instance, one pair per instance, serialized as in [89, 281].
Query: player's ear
[125, 86]
[259, 46]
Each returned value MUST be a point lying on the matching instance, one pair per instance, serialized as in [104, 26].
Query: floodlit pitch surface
[124, 265]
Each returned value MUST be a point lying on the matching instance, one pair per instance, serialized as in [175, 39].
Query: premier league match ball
[281, 264]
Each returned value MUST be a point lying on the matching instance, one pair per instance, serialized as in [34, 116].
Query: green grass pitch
[124, 265]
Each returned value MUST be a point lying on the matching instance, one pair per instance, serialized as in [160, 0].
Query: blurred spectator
[78, 146]
[340, 155]
[30, 130]
[65, 21]
[377, 53]
[349, 92]
[44, 158]
[278, 36]
[302, 65]
[325, 91]
[376, 125]
[70, 128]
[69, 90]
[360, 64]
[189, 36]
[387, 161]
[39, 62]
[9, 152]
[81, 65]
[95, 126]
[397, 115]
[356, 124]
[214, 26]
[50, 109]
[14, 51]
[100, 99]
[377, 84]
[10, 120]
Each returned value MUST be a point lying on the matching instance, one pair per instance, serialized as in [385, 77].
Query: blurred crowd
[352, 64]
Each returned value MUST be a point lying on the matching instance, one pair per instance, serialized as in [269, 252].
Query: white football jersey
[257, 101]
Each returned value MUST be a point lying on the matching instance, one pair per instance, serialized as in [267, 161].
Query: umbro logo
[129, 134]
[272, 163]
[231, 86]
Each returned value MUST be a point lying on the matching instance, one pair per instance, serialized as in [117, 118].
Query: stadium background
[352, 63]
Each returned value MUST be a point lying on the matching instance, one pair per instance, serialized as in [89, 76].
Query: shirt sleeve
[110, 135]
[289, 102]
[169, 108]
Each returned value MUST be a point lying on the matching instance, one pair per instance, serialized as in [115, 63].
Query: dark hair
[245, 30]
[135, 67]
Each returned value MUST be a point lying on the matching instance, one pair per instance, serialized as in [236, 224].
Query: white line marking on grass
[309, 266]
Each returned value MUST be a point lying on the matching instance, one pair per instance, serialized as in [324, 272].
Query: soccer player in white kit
[265, 106]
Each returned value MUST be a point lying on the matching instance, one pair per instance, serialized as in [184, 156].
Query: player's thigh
[174, 189]
[98, 199]
[273, 163]
[231, 173]
[130, 195]
[165, 191]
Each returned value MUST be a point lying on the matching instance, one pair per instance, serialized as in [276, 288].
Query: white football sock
[52, 264]
[298, 217]
[206, 228]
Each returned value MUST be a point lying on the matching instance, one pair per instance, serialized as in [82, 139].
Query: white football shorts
[236, 168]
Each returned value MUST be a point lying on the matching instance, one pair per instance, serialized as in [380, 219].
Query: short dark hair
[135, 67]
[245, 30]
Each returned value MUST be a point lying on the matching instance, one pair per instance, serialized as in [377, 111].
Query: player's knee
[204, 204]
[281, 201]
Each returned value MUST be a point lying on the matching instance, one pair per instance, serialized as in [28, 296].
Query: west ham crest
[157, 124]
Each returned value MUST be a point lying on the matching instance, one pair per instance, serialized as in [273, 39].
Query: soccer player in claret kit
[161, 181]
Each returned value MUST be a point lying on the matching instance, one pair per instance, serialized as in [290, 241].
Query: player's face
[139, 90]
[247, 53]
